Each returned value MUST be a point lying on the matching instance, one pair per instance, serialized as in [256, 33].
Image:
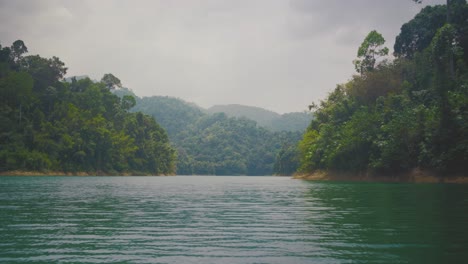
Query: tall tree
[370, 50]
[450, 3]
[416, 35]
[17, 50]
[111, 81]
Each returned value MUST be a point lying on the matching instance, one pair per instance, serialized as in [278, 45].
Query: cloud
[276, 54]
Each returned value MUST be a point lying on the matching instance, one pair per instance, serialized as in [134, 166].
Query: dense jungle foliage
[221, 145]
[76, 126]
[395, 116]
[296, 121]
[216, 144]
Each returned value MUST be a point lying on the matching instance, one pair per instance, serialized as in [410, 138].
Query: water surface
[229, 220]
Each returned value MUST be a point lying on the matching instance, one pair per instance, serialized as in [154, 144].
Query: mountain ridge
[271, 120]
[293, 121]
[242, 146]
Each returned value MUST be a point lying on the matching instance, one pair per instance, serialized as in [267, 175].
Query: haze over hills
[247, 140]
[295, 121]
[173, 114]
[262, 116]
[166, 108]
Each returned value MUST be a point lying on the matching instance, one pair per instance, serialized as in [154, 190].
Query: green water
[229, 220]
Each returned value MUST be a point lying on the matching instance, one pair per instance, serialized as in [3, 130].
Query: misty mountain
[121, 92]
[262, 116]
[242, 146]
[174, 114]
[296, 121]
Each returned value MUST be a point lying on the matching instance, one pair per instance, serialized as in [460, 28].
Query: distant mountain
[221, 145]
[296, 121]
[262, 116]
[121, 92]
[214, 142]
[174, 114]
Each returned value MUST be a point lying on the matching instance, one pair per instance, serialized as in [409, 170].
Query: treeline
[295, 121]
[77, 126]
[216, 144]
[221, 145]
[395, 116]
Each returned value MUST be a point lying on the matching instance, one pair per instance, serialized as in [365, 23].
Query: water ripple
[228, 220]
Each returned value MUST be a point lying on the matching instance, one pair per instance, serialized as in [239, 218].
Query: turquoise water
[229, 220]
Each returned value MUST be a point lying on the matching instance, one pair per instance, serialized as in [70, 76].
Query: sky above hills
[276, 54]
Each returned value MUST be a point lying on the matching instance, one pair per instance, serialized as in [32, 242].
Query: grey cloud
[347, 21]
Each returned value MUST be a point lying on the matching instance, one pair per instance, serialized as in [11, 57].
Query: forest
[222, 145]
[226, 140]
[397, 115]
[294, 121]
[76, 126]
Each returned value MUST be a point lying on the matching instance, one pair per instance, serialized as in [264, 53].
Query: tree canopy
[404, 114]
[222, 145]
[110, 81]
[76, 126]
[370, 50]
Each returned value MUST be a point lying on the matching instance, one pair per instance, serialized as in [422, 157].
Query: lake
[203, 219]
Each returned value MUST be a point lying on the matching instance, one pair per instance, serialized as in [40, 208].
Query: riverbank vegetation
[52, 125]
[221, 145]
[395, 116]
[77, 126]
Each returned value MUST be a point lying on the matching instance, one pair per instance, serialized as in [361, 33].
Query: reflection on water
[399, 223]
[229, 220]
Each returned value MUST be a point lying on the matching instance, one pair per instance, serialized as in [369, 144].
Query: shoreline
[414, 176]
[79, 173]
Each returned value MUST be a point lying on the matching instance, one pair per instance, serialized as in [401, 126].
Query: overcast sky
[276, 54]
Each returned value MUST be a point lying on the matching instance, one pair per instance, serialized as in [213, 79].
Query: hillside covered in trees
[221, 145]
[296, 121]
[75, 126]
[403, 114]
[52, 123]
[217, 144]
